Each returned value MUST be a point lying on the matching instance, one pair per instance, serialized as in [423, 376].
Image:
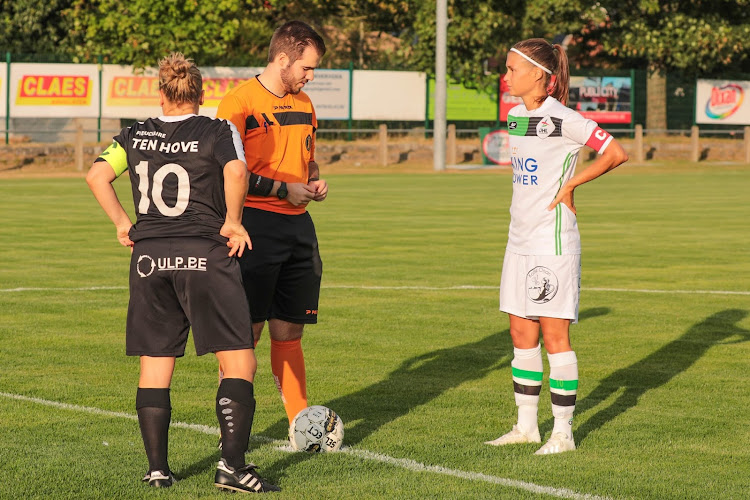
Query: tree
[33, 26]
[477, 31]
[142, 31]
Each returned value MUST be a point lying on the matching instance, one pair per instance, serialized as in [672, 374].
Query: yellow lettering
[29, 86]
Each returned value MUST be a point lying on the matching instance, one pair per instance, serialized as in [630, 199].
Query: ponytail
[559, 86]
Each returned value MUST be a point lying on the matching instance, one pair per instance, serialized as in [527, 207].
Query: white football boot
[516, 436]
[558, 443]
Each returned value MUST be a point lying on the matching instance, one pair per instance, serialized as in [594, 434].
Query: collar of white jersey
[176, 118]
[547, 103]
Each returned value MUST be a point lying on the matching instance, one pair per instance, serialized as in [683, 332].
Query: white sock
[527, 371]
[563, 389]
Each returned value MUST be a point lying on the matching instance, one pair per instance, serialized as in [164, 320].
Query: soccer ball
[316, 429]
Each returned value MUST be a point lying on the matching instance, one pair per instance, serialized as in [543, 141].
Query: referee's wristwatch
[282, 192]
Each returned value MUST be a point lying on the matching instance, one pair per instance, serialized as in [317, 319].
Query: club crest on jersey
[541, 285]
[545, 127]
[308, 142]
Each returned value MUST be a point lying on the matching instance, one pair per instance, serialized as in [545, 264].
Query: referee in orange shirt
[282, 273]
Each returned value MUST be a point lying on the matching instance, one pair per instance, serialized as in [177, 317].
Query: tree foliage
[34, 26]
[140, 32]
[697, 37]
[477, 32]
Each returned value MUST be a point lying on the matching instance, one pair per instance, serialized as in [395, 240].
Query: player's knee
[283, 331]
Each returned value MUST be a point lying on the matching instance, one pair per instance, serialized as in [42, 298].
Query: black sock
[235, 409]
[154, 413]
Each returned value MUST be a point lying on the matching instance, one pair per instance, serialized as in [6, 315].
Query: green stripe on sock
[565, 385]
[528, 375]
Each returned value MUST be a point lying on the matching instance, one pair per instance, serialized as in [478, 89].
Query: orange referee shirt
[278, 134]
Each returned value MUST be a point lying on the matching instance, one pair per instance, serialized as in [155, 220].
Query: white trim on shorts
[534, 286]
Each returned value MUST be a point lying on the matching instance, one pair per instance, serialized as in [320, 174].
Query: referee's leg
[288, 365]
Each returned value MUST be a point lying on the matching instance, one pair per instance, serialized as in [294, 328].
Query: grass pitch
[410, 349]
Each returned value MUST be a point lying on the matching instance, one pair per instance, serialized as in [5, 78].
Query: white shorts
[541, 285]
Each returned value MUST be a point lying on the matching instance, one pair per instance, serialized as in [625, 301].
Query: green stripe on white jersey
[544, 145]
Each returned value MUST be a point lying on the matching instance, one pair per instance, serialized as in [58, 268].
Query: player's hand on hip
[321, 189]
[238, 238]
[123, 235]
[564, 196]
[300, 194]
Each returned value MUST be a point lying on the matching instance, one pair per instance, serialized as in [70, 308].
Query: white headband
[531, 60]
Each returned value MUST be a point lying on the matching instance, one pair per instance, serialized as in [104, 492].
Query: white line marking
[697, 292]
[404, 463]
[54, 289]
[425, 288]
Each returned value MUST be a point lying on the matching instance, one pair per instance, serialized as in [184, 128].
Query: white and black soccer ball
[316, 429]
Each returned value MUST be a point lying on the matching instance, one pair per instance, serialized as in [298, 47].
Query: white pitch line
[425, 288]
[55, 289]
[404, 463]
[697, 292]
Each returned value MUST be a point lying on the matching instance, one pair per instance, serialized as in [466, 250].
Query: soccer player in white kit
[540, 281]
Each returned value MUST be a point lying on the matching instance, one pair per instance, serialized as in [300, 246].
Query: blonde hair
[555, 59]
[180, 79]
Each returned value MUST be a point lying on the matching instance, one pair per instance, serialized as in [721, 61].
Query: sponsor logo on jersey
[545, 127]
[541, 285]
[308, 142]
[512, 125]
[146, 265]
[521, 168]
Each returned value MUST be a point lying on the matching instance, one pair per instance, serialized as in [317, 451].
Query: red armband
[599, 140]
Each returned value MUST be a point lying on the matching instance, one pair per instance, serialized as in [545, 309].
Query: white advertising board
[54, 90]
[722, 102]
[3, 91]
[389, 95]
[329, 93]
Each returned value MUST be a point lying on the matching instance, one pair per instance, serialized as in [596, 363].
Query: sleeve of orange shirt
[230, 108]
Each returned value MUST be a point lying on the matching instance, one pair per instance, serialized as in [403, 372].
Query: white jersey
[544, 147]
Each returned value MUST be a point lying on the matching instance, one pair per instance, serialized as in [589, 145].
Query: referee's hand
[238, 238]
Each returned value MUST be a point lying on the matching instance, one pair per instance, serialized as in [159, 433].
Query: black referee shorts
[176, 283]
[282, 272]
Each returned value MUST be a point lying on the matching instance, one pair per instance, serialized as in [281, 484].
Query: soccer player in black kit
[189, 181]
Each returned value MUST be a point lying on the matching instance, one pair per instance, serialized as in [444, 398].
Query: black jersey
[176, 168]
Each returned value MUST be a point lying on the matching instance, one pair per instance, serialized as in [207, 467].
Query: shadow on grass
[657, 369]
[416, 382]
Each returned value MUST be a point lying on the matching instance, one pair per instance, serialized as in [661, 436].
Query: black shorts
[176, 283]
[282, 272]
